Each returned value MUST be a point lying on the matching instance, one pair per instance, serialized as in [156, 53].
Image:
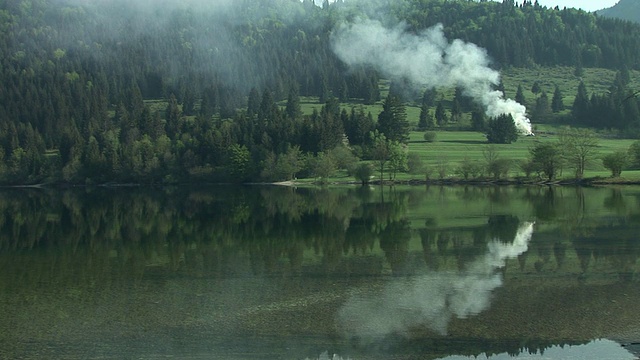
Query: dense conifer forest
[195, 91]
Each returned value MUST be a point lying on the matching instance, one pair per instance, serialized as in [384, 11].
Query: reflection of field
[130, 275]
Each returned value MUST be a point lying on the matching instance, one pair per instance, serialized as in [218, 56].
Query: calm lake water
[285, 273]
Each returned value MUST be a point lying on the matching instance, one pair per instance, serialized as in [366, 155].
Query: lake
[262, 272]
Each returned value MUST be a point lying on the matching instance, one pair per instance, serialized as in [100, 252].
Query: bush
[499, 168]
[363, 173]
[615, 162]
[415, 164]
[469, 169]
[430, 136]
[442, 168]
[527, 167]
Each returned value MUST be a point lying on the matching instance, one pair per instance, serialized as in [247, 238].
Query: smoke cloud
[432, 300]
[427, 59]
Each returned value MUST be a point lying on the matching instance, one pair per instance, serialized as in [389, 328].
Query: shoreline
[596, 181]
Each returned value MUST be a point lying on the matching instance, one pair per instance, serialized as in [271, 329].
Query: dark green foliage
[293, 104]
[536, 88]
[546, 159]
[478, 120]
[580, 109]
[456, 111]
[542, 109]
[557, 103]
[634, 155]
[358, 126]
[501, 130]
[441, 114]
[426, 120]
[392, 121]
[520, 96]
[142, 103]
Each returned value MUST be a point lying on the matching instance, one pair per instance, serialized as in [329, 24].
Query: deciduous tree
[616, 162]
[579, 147]
[547, 159]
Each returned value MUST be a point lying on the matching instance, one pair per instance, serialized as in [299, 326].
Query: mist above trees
[165, 91]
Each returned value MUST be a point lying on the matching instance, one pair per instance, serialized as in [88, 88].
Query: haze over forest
[177, 91]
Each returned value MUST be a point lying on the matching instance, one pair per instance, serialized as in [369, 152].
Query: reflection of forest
[86, 250]
[222, 231]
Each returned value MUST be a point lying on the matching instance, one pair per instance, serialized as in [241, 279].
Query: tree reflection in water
[93, 261]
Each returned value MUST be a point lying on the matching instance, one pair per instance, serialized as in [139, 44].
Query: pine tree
[580, 108]
[426, 120]
[542, 108]
[456, 111]
[172, 118]
[536, 88]
[253, 103]
[392, 121]
[441, 114]
[557, 104]
[477, 120]
[520, 99]
[502, 130]
[293, 104]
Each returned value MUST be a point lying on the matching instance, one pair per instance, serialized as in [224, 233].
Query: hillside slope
[77, 78]
[625, 10]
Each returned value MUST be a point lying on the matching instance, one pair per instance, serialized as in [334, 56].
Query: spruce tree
[392, 121]
[581, 104]
[293, 104]
[501, 130]
[441, 114]
[520, 96]
[557, 104]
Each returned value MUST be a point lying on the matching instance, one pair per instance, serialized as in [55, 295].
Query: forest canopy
[168, 91]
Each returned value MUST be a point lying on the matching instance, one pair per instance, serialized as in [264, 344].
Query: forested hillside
[625, 10]
[77, 78]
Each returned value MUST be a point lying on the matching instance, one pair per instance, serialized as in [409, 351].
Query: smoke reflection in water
[431, 300]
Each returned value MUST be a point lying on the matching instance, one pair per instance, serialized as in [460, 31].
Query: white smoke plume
[432, 300]
[427, 59]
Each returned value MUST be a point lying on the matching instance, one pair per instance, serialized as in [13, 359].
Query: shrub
[415, 164]
[363, 172]
[430, 136]
[615, 162]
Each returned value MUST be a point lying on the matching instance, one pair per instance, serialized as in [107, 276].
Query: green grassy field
[455, 146]
[452, 147]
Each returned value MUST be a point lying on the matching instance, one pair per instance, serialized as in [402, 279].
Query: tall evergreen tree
[501, 130]
[580, 108]
[392, 121]
[542, 109]
[172, 118]
[520, 96]
[426, 120]
[478, 120]
[253, 102]
[292, 109]
[535, 88]
[456, 111]
[557, 103]
[441, 114]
